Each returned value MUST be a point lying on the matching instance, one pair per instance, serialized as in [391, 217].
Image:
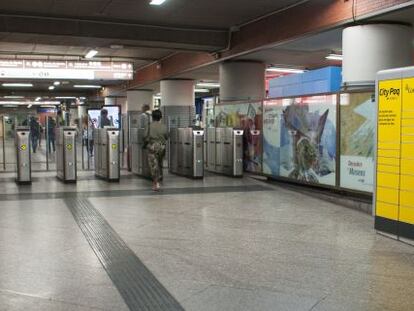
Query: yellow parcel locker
[407, 198]
[407, 151]
[409, 130]
[388, 161]
[387, 210]
[387, 195]
[395, 170]
[388, 180]
[389, 111]
[408, 85]
[389, 153]
[407, 182]
[407, 114]
[407, 166]
[407, 139]
[407, 214]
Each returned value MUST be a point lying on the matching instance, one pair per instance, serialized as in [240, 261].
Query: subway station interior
[204, 155]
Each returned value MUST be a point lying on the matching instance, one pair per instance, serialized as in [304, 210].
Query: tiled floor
[271, 249]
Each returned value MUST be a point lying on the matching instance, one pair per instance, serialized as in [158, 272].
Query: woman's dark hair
[156, 115]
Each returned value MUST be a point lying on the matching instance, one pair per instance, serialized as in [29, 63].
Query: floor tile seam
[197, 293]
[258, 221]
[118, 192]
[49, 299]
[319, 302]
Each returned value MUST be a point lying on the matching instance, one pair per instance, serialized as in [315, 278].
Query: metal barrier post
[23, 163]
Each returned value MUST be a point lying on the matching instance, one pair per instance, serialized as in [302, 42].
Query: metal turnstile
[23, 155]
[187, 152]
[225, 151]
[139, 157]
[107, 153]
[66, 165]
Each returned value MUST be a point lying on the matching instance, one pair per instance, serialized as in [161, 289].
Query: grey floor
[229, 249]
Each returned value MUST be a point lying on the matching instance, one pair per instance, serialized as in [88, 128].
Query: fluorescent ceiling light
[65, 97]
[157, 2]
[30, 103]
[56, 83]
[91, 54]
[38, 98]
[201, 91]
[51, 87]
[338, 57]
[209, 84]
[29, 106]
[84, 86]
[17, 84]
[285, 70]
[13, 97]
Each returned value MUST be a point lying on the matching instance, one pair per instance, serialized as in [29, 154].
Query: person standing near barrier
[51, 127]
[34, 133]
[145, 117]
[105, 121]
[155, 143]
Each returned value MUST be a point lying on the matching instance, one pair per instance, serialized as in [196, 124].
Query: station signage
[77, 70]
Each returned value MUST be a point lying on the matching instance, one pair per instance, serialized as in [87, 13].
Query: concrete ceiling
[186, 13]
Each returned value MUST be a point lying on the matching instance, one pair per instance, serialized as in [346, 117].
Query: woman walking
[155, 142]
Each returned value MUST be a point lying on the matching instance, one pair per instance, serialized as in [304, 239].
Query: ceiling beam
[146, 35]
[309, 18]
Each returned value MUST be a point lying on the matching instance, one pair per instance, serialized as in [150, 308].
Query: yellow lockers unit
[394, 195]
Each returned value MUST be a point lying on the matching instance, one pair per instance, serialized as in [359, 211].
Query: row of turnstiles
[190, 152]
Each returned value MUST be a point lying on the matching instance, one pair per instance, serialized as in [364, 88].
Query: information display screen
[78, 70]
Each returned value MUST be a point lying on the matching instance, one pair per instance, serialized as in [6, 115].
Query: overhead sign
[77, 70]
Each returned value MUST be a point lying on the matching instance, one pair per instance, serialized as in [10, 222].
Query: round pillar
[110, 101]
[242, 80]
[178, 102]
[138, 98]
[82, 111]
[368, 49]
[177, 93]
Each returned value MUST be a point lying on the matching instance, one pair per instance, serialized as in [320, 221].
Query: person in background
[51, 133]
[88, 127]
[34, 133]
[41, 129]
[60, 121]
[105, 121]
[155, 142]
[144, 118]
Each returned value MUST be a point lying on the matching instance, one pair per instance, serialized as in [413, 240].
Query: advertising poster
[246, 116]
[308, 139]
[272, 118]
[114, 114]
[94, 115]
[357, 141]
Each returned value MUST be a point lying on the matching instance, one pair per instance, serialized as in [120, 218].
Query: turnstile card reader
[66, 154]
[23, 155]
[139, 155]
[187, 152]
[107, 153]
[225, 151]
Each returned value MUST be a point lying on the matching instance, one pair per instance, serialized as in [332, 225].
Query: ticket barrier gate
[187, 152]
[225, 151]
[66, 165]
[107, 153]
[139, 155]
[23, 155]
